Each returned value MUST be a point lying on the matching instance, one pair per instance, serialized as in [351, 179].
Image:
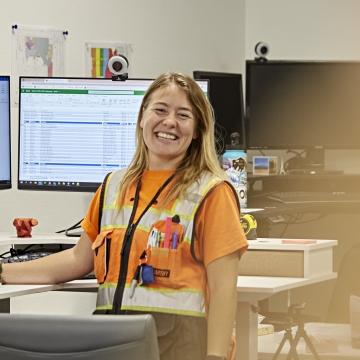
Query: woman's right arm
[60, 267]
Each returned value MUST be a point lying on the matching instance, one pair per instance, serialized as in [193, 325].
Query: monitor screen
[72, 131]
[5, 148]
[303, 105]
[226, 98]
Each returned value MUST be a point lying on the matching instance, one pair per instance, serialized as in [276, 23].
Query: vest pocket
[165, 263]
[101, 247]
[165, 234]
[164, 245]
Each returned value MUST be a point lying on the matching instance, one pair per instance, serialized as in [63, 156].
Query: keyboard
[312, 197]
[25, 257]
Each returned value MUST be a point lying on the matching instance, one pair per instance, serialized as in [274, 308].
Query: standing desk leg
[5, 305]
[246, 331]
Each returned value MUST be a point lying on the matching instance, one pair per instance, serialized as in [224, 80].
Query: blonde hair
[201, 155]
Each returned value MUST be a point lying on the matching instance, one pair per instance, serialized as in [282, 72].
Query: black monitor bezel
[7, 184]
[206, 75]
[306, 147]
[84, 187]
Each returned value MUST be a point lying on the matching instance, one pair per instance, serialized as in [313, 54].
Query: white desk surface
[261, 287]
[276, 244]
[7, 291]
[49, 238]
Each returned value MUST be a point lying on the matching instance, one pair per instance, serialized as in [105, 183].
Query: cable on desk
[72, 227]
[16, 252]
[69, 234]
[21, 255]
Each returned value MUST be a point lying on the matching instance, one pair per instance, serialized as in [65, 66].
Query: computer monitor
[310, 105]
[5, 147]
[226, 98]
[72, 131]
[93, 337]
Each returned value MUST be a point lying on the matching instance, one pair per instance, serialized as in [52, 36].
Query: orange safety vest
[180, 279]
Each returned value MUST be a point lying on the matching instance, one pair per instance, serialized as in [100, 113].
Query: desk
[49, 238]
[8, 291]
[296, 258]
[250, 289]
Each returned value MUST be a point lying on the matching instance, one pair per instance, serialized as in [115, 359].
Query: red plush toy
[24, 226]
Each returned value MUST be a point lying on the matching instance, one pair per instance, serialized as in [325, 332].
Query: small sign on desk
[298, 241]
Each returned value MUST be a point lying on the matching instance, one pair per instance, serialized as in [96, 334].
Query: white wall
[307, 30]
[178, 35]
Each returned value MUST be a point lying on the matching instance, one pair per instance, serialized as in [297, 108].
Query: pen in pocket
[167, 238]
[152, 239]
[174, 240]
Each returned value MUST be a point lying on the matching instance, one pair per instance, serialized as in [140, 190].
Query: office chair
[94, 337]
[286, 321]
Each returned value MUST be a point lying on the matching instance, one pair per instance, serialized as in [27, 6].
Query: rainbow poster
[98, 57]
[99, 60]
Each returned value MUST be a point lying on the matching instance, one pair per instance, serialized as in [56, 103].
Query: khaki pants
[181, 337]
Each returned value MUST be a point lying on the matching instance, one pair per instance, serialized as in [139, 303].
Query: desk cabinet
[270, 257]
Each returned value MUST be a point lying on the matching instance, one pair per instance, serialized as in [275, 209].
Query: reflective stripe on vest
[184, 302]
[171, 294]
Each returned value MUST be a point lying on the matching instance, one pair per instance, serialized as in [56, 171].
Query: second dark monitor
[5, 148]
[226, 97]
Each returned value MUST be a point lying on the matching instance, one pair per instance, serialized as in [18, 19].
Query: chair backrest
[105, 337]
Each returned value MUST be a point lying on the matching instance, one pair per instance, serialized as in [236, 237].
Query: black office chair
[286, 322]
[94, 337]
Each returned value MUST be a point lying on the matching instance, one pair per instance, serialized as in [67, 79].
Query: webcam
[261, 50]
[118, 66]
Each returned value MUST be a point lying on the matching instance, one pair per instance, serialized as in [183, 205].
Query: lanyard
[126, 246]
[132, 225]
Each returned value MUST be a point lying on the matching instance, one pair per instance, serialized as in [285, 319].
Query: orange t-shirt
[218, 231]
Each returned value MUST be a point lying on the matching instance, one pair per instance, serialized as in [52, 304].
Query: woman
[164, 235]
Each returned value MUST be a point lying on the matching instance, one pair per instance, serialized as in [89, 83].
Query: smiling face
[168, 126]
